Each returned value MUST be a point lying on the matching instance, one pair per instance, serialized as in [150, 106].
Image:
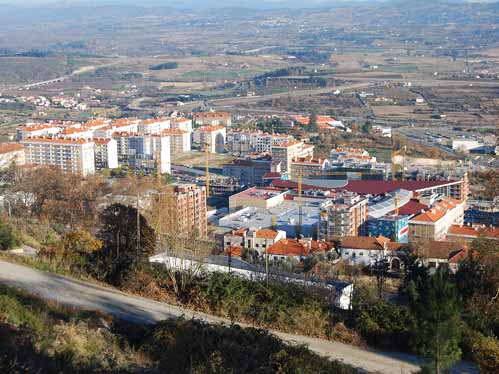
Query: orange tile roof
[10, 147]
[463, 231]
[440, 250]
[432, 215]
[210, 128]
[266, 234]
[38, 126]
[235, 251]
[73, 130]
[239, 232]
[101, 140]
[368, 243]
[293, 247]
[57, 141]
[286, 144]
[288, 247]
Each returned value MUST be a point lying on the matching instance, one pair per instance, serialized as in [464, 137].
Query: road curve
[140, 310]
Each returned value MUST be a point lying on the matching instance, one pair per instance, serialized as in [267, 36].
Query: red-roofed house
[297, 249]
[257, 240]
[367, 250]
[435, 254]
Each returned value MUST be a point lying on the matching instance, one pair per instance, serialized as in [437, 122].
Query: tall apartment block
[70, 155]
[189, 210]
[345, 215]
[106, 154]
[285, 153]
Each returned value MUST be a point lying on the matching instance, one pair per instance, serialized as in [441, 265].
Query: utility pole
[138, 224]
[267, 265]
[207, 150]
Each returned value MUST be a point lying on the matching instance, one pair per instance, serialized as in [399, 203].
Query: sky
[183, 3]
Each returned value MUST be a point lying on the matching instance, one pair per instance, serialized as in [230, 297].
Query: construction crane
[300, 203]
[396, 200]
[207, 171]
[395, 165]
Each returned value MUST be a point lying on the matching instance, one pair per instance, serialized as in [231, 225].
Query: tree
[8, 238]
[436, 307]
[76, 248]
[124, 251]
[312, 122]
[478, 282]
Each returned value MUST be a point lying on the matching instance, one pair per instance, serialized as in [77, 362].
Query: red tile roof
[369, 243]
[411, 208]
[10, 147]
[266, 234]
[272, 175]
[235, 251]
[293, 247]
[440, 250]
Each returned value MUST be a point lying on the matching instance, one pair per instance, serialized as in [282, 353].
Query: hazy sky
[284, 3]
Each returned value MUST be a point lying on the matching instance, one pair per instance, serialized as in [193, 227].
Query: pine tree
[436, 306]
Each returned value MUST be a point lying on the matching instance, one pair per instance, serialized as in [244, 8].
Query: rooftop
[369, 243]
[10, 147]
[294, 247]
[440, 250]
[258, 193]
[57, 141]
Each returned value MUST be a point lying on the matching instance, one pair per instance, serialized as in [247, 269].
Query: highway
[140, 310]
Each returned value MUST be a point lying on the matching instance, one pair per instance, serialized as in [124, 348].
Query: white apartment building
[106, 154]
[145, 151]
[154, 125]
[35, 130]
[69, 155]
[180, 140]
[213, 119]
[181, 123]
[11, 153]
[285, 153]
[130, 125]
[212, 136]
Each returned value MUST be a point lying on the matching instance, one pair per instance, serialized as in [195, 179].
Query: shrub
[486, 354]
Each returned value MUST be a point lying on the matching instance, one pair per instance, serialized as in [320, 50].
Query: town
[249, 187]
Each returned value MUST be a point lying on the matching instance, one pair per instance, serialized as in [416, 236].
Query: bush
[184, 344]
[486, 354]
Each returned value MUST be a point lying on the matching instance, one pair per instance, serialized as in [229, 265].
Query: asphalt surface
[140, 310]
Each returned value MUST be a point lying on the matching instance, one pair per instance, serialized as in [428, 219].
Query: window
[361, 254]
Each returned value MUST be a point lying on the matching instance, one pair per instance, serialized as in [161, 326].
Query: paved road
[140, 310]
